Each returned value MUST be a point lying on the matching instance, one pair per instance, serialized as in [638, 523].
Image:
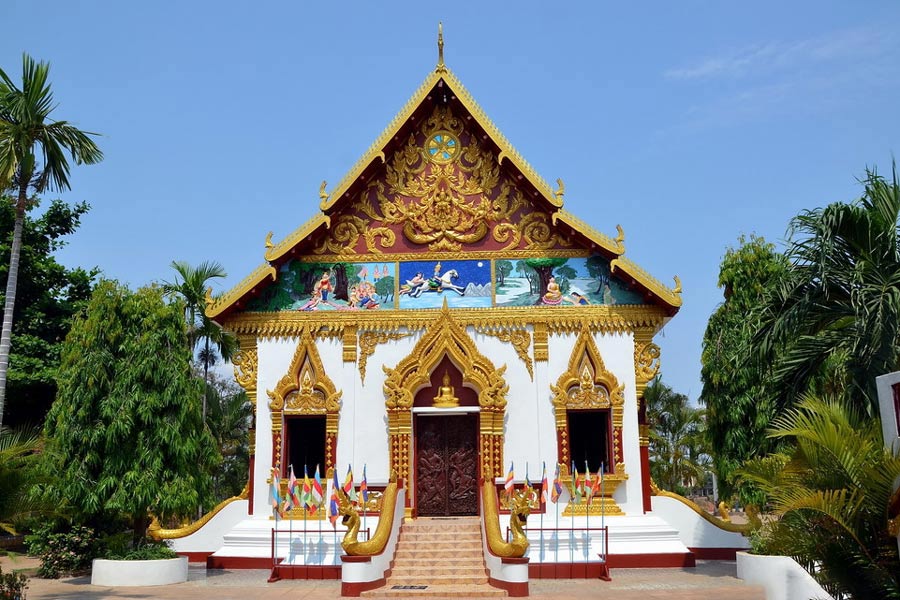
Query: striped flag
[275, 492]
[595, 487]
[306, 494]
[364, 486]
[508, 486]
[294, 490]
[333, 504]
[556, 490]
[317, 493]
[545, 488]
[576, 486]
[348, 485]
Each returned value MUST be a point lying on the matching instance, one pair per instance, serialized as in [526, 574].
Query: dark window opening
[589, 439]
[304, 444]
[896, 388]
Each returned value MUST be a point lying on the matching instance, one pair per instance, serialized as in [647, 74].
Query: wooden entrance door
[446, 465]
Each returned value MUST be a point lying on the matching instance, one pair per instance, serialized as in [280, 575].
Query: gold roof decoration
[340, 195]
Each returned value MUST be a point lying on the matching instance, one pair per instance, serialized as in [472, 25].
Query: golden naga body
[519, 511]
[351, 520]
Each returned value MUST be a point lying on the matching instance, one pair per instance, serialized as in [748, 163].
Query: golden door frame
[306, 389]
[446, 337]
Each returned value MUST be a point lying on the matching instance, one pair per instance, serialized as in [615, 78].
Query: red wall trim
[716, 553]
[355, 589]
[195, 557]
[516, 589]
[238, 562]
[645, 478]
[642, 561]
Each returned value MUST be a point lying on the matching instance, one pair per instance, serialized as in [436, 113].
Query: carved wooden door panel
[447, 465]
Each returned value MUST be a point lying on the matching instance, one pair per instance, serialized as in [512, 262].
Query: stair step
[426, 562]
[444, 553]
[438, 591]
[438, 580]
[420, 571]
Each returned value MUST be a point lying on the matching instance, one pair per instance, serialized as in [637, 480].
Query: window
[589, 439]
[304, 444]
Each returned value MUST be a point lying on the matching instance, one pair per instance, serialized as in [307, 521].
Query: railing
[309, 537]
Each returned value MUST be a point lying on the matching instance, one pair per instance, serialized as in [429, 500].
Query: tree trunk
[340, 282]
[140, 524]
[205, 378]
[11, 283]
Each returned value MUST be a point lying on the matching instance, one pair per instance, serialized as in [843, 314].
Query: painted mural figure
[577, 298]
[553, 295]
[439, 283]
[412, 285]
[323, 287]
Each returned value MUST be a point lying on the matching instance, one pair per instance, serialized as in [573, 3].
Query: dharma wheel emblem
[442, 147]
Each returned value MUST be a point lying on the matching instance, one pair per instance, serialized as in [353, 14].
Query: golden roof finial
[440, 65]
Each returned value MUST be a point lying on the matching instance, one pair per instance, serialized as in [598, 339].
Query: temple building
[444, 320]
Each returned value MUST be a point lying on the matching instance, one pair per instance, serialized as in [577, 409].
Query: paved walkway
[710, 580]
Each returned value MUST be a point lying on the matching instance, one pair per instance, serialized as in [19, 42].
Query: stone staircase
[438, 558]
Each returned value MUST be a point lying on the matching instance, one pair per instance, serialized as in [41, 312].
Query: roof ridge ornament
[441, 67]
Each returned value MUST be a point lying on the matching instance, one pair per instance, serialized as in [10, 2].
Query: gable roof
[441, 81]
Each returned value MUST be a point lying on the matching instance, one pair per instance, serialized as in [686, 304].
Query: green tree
[830, 492]
[48, 296]
[32, 156]
[678, 450]
[543, 268]
[230, 414]
[598, 268]
[384, 287]
[191, 285]
[739, 406]
[126, 423]
[837, 314]
[18, 451]
[503, 268]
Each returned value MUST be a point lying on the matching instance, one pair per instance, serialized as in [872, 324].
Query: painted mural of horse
[437, 284]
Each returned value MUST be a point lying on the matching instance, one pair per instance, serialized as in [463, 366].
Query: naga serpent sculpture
[519, 511]
[351, 520]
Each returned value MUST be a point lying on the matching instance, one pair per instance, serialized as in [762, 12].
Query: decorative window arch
[305, 390]
[587, 385]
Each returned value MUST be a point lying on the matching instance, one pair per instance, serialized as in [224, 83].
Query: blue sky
[689, 123]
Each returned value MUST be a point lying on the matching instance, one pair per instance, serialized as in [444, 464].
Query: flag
[348, 485]
[275, 492]
[508, 486]
[294, 490]
[333, 505]
[557, 486]
[317, 494]
[288, 500]
[598, 481]
[576, 486]
[545, 489]
[585, 485]
[306, 495]
[364, 487]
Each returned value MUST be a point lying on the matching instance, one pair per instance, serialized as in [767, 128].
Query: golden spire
[440, 66]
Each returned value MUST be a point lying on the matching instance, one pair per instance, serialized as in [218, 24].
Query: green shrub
[12, 586]
[150, 551]
[62, 552]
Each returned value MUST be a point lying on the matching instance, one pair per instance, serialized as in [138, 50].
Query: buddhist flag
[306, 494]
[317, 494]
[364, 487]
[576, 486]
[294, 490]
[348, 485]
[557, 487]
[598, 481]
[545, 488]
[333, 504]
[275, 492]
[508, 486]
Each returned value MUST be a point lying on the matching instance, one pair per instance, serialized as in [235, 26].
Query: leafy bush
[12, 586]
[145, 552]
[62, 552]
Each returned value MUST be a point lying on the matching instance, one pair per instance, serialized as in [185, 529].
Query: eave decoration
[305, 390]
[586, 384]
[445, 337]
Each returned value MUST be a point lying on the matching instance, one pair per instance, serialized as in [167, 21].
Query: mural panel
[559, 282]
[464, 284]
[330, 286]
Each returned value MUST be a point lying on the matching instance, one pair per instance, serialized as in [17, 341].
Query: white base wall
[211, 536]
[781, 576]
[693, 530]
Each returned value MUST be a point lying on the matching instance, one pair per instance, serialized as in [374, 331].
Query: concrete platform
[709, 580]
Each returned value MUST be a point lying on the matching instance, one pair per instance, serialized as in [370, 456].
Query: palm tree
[18, 448]
[831, 492]
[678, 456]
[32, 156]
[837, 315]
[191, 285]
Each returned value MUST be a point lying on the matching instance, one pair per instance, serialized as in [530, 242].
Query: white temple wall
[274, 357]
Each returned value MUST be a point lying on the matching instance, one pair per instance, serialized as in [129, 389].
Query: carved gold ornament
[446, 337]
[368, 341]
[520, 340]
[646, 360]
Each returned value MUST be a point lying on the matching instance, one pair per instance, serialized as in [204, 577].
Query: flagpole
[572, 516]
[602, 513]
[305, 507]
[290, 518]
[544, 508]
[587, 515]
